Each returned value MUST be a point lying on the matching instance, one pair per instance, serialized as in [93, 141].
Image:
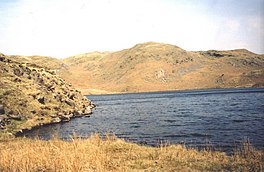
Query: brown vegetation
[157, 67]
[31, 95]
[112, 154]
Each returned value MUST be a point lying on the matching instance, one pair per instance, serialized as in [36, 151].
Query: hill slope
[31, 96]
[157, 67]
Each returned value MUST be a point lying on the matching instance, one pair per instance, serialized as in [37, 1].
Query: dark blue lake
[220, 118]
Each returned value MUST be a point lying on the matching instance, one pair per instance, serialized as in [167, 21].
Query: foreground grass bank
[113, 154]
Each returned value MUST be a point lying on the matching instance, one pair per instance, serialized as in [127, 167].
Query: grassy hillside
[112, 154]
[43, 62]
[31, 96]
[158, 67]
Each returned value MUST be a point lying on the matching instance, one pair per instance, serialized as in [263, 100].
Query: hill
[32, 95]
[155, 66]
[158, 67]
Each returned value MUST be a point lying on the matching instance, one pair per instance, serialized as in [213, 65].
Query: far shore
[88, 92]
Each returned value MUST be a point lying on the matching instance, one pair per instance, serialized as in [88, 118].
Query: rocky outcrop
[32, 96]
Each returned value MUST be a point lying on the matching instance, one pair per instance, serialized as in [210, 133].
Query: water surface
[220, 118]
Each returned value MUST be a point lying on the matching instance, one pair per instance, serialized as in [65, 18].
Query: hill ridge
[153, 66]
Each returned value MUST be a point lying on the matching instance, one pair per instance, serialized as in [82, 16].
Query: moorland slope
[155, 66]
[159, 67]
[32, 95]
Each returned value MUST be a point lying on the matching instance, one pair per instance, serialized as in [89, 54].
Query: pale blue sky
[62, 28]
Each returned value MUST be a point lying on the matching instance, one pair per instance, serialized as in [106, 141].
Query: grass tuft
[113, 154]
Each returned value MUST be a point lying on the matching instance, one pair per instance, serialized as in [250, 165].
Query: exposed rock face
[31, 96]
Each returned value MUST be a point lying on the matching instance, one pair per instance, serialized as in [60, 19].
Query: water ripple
[197, 118]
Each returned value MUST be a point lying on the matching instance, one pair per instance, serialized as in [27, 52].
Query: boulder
[51, 86]
[1, 119]
[77, 113]
[3, 122]
[28, 76]
[93, 105]
[70, 103]
[53, 115]
[18, 72]
[2, 110]
[27, 71]
[15, 117]
[2, 58]
[64, 116]
[72, 96]
[56, 120]
[87, 111]
[41, 100]
[17, 80]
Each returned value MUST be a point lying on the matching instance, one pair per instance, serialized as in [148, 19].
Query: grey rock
[2, 110]
[69, 114]
[70, 103]
[17, 80]
[18, 72]
[15, 117]
[93, 105]
[87, 111]
[65, 118]
[1, 119]
[41, 100]
[27, 71]
[2, 58]
[3, 122]
[56, 120]
[71, 96]
[60, 114]
[53, 115]
[77, 113]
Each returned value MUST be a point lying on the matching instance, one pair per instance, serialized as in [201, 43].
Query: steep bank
[32, 95]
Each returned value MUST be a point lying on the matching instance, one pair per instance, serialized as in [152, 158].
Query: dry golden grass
[163, 67]
[113, 154]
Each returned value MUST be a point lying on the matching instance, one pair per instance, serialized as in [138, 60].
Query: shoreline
[32, 96]
[207, 147]
[20, 133]
[177, 90]
[204, 91]
[113, 154]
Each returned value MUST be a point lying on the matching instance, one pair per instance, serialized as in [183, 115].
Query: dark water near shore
[219, 118]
